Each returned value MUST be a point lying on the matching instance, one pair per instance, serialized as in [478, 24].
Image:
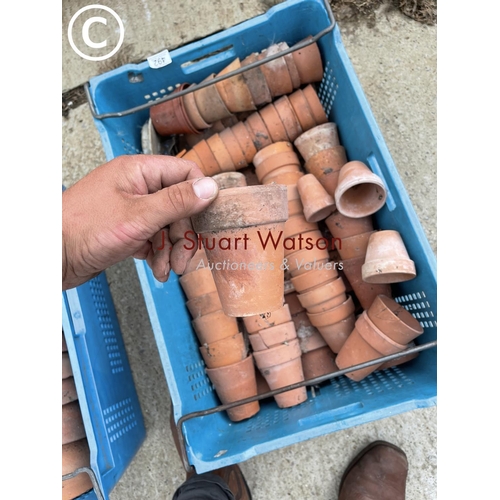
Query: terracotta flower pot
[273, 123]
[247, 219]
[205, 158]
[66, 366]
[359, 192]
[302, 241]
[245, 141]
[210, 103]
[401, 360]
[261, 321]
[282, 366]
[214, 326]
[365, 292]
[204, 304]
[276, 72]
[387, 260]
[234, 91]
[256, 82]
[288, 117]
[74, 456]
[224, 352]
[323, 293]
[274, 156]
[326, 165]
[285, 178]
[69, 393]
[309, 63]
[337, 333]
[315, 105]
[302, 110]
[317, 203]
[236, 382]
[297, 224]
[314, 278]
[193, 112]
[73, 428]
[291, 66]
[353, 246]
[258, 131]
[296, 260]
[332, 316]
[317, 139]
[272, 336]
[233, 148]
[197, 283]
[394, 320]
[344, 227]
[318, 363]
[219, 150]
[228, 180]
[365, 343]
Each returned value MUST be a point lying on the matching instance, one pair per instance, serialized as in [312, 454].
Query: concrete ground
[396, 63]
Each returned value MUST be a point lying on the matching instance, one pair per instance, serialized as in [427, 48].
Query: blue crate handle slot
[208, 61]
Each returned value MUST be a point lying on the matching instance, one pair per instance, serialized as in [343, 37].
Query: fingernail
[205, 188]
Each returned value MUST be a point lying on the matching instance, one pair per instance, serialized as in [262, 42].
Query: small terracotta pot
[228, 180]
[276, 72]
[315, 105]
[318, 363]
[325, 292]
[328, 304]
[283, 178]
[332, 316]
[210, 103]
[256, 215]
[288, 117]
[224, 352]
[296, 260]
[256, 82]
[233, 148]
[344, 227]
[69, 393]
[197, 283]
[365, 292]
[73, 428]
[261, 321]
[234, 91]
[326, 165]
[309, 63]
[317, 139]
[66, 366]
[245, 141]
[365, 343]
[314, 278]
[197, 262]
[302, 110]
[273, 123]
[401, 360]
[302, 241]
[209, 163]
[394, 320]
[387, 260]
[297, 224]
[236, 382]
[291, 66]
[258, 131]
[337, 333]
[74, 456]
[293, 304]
[214, 326]
[219, 150]
[204, 304]
[273, 336]
[317, 203]
[359, 192]
[353, 246]
[274, 156]
[282, 173]
[193, 112]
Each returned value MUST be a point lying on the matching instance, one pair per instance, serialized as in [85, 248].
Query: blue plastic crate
[108, 400]
[340, 403]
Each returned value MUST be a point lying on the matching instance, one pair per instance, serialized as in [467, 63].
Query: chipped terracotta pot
[221, 154]
[288, 117]
[69, 393]
[297, 259]
[214, 326]
[317, 203]
[315, 105]
[284, 178]
[236, 382]
[210, 103]
[302, 110]
[204, 304]
[337, 333]
[197, 283]
[317, 139]
[258, 131]
[325, 292]
[193, 113]
[197, 262]
[387, 260]
[247, 219]
[282, 366]
[66, 366]
[224, 352]
[365, 343]
[276, 72]
[309, 63]
[245, 141]
[401, 360]
[325, 166]
[297, 225]
[318, 363]
[207, 161]
[73, 428]
[260, 321]
[75, 456]
[234, 90]
[353, 246]
[394, 320]
[228, 180]
[233, 148]
[256, 82]
[314, 278]
[359, 191]
[332, 316]
[273, 123]
[272, 336]
[344, 227]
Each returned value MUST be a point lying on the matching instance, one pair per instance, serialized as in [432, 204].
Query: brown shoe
[377, 473]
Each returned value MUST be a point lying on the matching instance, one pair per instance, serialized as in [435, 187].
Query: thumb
[177, 202]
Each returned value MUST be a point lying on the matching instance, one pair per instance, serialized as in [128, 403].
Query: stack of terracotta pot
[230, 366]
[277, 353]
[75, 448]
[196, 111]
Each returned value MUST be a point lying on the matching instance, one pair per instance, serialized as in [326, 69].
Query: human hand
[122, 209]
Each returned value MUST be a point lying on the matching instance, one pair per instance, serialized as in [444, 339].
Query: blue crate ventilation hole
[336, 404]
